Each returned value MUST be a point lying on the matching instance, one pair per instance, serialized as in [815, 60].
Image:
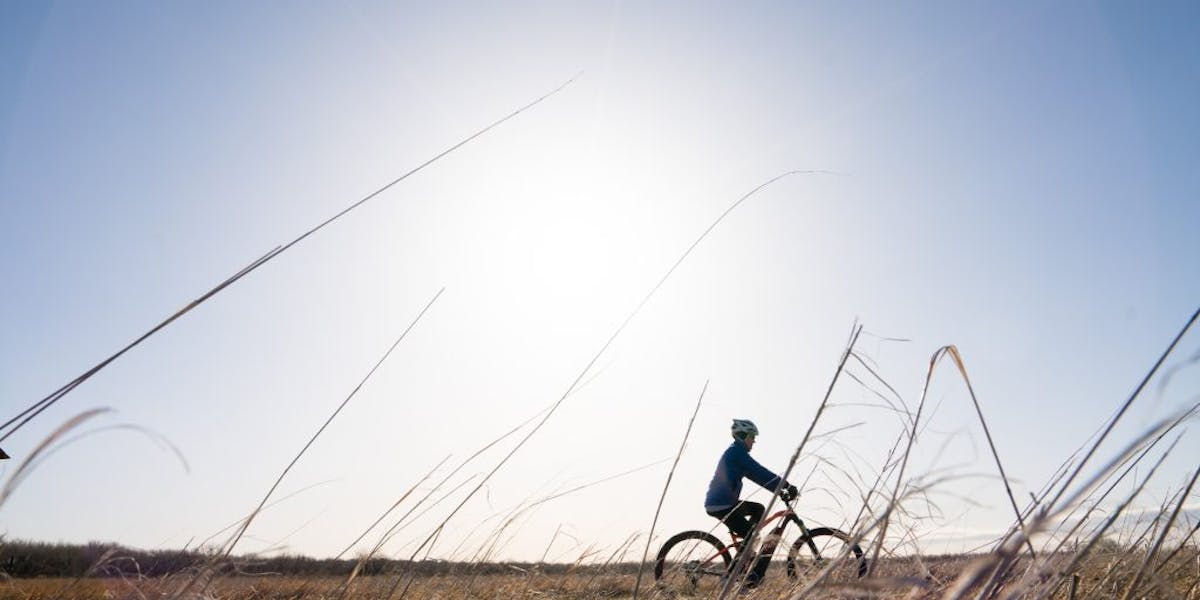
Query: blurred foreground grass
[1104, 576]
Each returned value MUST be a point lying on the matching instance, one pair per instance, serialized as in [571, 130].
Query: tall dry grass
[1055, 548]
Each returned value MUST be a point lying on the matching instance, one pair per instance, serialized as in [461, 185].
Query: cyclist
[741, 517]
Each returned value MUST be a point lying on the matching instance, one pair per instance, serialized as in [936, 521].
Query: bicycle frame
[784, 516]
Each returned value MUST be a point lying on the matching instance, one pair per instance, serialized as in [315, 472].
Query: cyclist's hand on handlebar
[789, 493]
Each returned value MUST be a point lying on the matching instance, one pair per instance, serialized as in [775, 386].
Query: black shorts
[742, 518]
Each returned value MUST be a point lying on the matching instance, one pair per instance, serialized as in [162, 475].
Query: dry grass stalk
[912, 437]
[1112, 423]
[962, 369]
[1001, 573]
[667, 485]
[1137, 578]
[242, 530]
[369, 555]
[25, 416]
[227, 549]
[44, 447]
[394, 506]
[741, 564]
[902, 409]
[1043, 569]
[1133, 462]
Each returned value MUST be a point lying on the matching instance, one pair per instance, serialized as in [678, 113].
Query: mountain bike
[698, 561]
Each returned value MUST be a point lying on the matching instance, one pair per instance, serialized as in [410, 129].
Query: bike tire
[691, 561]
[830, 544]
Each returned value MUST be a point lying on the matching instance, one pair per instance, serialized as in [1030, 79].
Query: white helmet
[743, 428]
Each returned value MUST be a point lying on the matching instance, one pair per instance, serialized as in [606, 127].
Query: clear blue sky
[1020, 180]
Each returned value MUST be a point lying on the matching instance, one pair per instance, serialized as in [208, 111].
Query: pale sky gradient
[1017, 179]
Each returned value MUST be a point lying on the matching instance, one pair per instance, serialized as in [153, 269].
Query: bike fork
[812, 546]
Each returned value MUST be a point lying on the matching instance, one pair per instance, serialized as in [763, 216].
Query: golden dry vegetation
[1105, 575]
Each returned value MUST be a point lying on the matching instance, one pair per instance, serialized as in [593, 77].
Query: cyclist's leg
[754, 513]
[731, 518]
[741, 519]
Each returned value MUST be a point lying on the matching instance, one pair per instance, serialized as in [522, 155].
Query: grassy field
[1106, 574]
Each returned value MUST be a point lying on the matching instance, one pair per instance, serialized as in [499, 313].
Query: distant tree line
[40, 559]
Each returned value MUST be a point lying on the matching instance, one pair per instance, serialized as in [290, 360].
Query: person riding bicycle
[721, 502]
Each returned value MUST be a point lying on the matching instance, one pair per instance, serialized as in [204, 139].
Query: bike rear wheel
[813, 553]
[692, 562]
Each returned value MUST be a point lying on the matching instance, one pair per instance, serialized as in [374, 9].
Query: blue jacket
[726, 485]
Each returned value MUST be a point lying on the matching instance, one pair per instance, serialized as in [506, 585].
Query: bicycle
[697, 561]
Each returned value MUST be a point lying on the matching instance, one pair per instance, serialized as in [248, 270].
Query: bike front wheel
[692, 562]
[824, 548]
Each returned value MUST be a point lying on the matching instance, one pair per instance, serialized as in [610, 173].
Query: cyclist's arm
[758, 473]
